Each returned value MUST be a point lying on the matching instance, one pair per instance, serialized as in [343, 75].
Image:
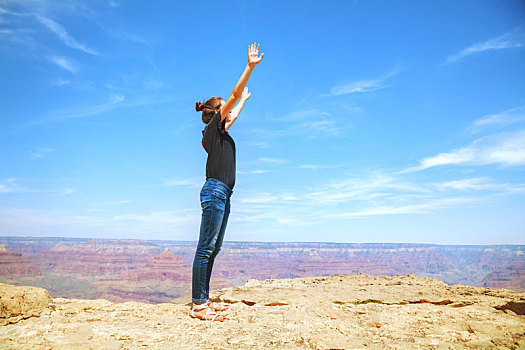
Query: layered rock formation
[124, 270]
[511, 275]
[13, 263]
[97, 257]
[164, 277]
[337, 312]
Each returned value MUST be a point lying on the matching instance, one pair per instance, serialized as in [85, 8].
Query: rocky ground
[337, 312]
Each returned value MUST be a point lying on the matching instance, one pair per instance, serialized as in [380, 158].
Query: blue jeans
[215, 203]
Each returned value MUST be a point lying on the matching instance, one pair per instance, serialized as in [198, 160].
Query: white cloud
[311, 129]
[312, 123]
[366, 85]
[316, 167]
[157, 218]
[261, 144]
[508, 117]
[512, 39]
[190, 182]
[373, 194]
[370, 187]
[307, 114]
[66, 191]
[9, 186]
[259, 198]
[114, 4]
[425, 207]
[272, 160]
[114, 101]
[256, 171]
[64, 63]
[33, 218]
[64, 36]
[119, 202]
[480, 184]
[505, 149]
[40, 152]
[60, 82]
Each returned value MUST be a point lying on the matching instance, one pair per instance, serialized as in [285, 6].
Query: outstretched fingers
[254, 48]
[253, 54]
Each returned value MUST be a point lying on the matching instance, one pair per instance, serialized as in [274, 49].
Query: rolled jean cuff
[199, 301]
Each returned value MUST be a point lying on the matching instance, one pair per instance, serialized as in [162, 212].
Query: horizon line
[261, 242]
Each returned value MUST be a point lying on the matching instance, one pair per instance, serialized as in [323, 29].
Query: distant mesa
[13, 263]
[96, 257]
[162, 266]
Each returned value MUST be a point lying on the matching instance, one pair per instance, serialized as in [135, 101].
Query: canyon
[160, 271]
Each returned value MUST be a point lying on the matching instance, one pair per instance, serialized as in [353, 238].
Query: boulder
[17, 303]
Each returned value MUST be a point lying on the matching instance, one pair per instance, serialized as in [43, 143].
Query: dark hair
[208, 108]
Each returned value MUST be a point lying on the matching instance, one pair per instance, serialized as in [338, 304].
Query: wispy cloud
[425, 207]
[370, 187]
[512, 39]
[158, 217]
[508, 117]
[64, 63]
[119, 202]
[370, 194]
[481, 184]
[505, 149]
[60, 82]
[66, 191]
[365, 85]
[17, 218]
[262, 145]
[310, 123]
[190, 182]
[256, 171]
[9, 185]
[326, 127]
[114, 101]
[305, 114]
[40, 152]
[316, 166]
[272, 160]
[63, 35]
[114, 4]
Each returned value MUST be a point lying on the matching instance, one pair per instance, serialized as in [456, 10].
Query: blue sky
[369, 121]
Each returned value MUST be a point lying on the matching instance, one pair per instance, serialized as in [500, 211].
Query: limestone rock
[17, 303]
[336, 312]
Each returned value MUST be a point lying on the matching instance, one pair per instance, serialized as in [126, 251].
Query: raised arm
[253, 60]
[237, 109]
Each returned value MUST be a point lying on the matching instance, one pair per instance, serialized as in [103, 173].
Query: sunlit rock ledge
[336, 312]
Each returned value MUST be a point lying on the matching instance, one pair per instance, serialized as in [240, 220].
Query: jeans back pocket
[219, 195]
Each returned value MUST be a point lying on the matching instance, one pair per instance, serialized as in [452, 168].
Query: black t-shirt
[221, 151]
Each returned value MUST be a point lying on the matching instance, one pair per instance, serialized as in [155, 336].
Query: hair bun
[199, 106]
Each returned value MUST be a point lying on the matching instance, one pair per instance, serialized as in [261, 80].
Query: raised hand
[245, 94]
[253, 54]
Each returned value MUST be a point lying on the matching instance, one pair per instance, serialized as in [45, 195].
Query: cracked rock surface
[18, 303]
[337, 312]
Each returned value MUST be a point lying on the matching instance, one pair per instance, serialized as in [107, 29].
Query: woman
[216, 192]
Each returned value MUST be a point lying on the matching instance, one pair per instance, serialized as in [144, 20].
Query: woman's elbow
[235, 95]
